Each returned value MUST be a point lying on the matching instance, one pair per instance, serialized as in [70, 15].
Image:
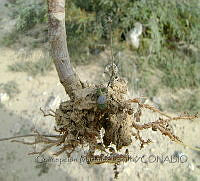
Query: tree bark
[59, 51]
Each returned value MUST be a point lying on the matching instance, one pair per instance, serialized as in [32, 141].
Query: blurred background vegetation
[167, 62]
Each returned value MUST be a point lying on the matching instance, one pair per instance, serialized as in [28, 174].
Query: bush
[168, 54]
[164, 21]
[29, 14]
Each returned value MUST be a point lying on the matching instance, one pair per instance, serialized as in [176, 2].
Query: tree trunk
[58, 44]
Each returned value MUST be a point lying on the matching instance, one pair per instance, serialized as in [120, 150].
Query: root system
[102, 120]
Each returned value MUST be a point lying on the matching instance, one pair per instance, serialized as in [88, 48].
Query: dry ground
[21, 114]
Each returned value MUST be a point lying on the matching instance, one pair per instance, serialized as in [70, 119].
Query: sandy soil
[21, 114]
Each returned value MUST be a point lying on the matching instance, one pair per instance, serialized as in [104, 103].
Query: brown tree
[59, 51]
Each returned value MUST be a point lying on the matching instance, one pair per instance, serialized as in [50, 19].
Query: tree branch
[59, 52]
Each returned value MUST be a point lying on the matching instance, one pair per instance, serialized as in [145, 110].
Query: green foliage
[9, 39]
[180, 70]
[160, 61]
[11, 88]
[41, 67]
[163, 20]
[29, 14]
[166, 24]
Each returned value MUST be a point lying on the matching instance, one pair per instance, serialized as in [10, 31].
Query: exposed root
[143, 142]
[49, 113]
[28, 135]
[98, 117]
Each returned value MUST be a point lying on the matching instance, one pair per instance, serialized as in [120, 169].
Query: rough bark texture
[59, 51]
